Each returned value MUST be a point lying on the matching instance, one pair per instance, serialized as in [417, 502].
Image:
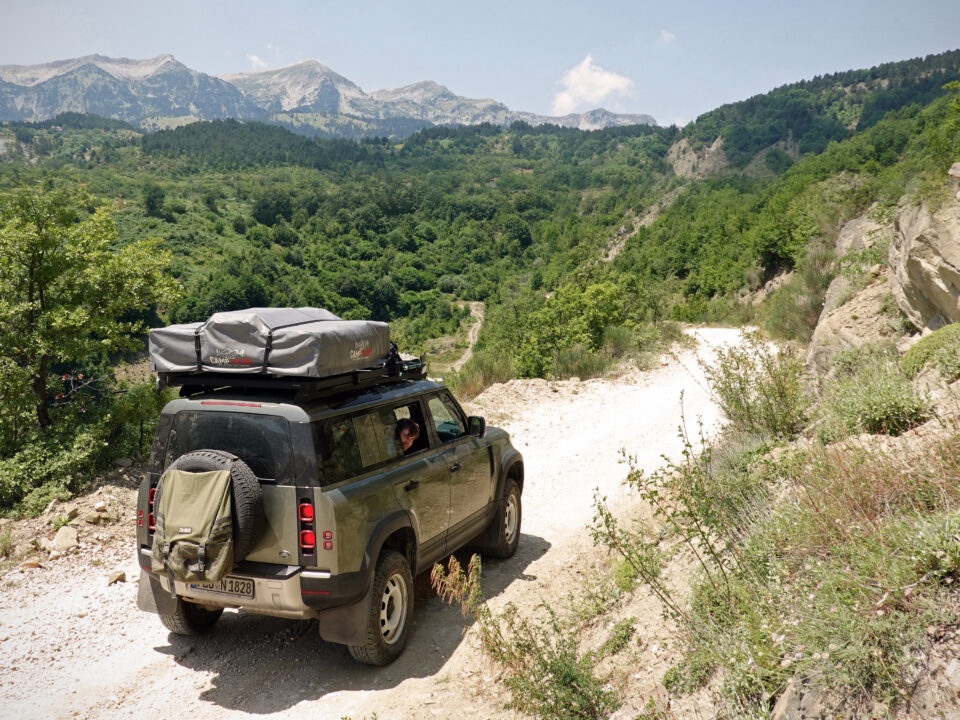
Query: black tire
[506, 536]
[190, 619]
[391, 611]
[249, 519]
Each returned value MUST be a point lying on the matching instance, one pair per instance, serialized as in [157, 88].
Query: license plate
[241, 587]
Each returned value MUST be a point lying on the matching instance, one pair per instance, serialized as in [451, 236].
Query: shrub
[483, 369]
[618, 340]
[760, 388]
[792, 311]
[941, 349]
[876, 398]
[540, 663]
[579, 361]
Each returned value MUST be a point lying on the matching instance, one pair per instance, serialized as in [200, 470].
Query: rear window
[261, 441]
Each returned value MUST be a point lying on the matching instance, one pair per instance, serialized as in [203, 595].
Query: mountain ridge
[306, 96]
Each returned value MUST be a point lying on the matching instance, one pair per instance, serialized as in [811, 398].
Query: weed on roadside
[7, 543]
[759, 387]
[620, 636]
[828, 567]
[874, 397]
[539, 659]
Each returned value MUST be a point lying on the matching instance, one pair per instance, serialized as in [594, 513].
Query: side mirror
[476, 426]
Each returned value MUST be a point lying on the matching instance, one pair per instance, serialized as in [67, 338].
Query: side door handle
[455, 467]
[411, 485]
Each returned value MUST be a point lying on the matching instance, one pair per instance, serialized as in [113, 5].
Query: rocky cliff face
[925, 257]
[697, 164]
[854, 316]
[923, 280]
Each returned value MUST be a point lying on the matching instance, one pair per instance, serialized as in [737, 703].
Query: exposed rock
[696, 164]
[123, 462]
[860, 321]
[66, 539]
[859, 234]
[69, 512]
[954, 170]
[30, 563]
[92, 517]
[22, 550]
[935, 694]
[800, 701]
[100, 506]
[925, 256]
[775, 283]
[116, 576]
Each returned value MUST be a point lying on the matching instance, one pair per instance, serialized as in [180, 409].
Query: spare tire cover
[249, 518]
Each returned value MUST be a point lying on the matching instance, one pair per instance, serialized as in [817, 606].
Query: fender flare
[397, 520]
[509, 459]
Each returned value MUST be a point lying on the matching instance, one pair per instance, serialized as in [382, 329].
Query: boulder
[925, 257]
[66, 539]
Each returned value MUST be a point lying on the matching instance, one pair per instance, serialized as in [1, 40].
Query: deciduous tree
[65, 288]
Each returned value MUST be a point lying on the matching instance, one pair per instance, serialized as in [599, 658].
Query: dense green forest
[541, 223]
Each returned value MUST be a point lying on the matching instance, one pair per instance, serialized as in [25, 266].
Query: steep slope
[809, 114]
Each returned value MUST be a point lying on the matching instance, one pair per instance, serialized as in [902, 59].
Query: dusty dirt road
[73, 645]
[477, 312]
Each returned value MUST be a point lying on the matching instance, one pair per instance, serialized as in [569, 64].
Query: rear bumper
[288, 591]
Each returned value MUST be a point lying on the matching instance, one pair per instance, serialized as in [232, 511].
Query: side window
[365, 426]
[338, 455]
[401, 430]
[447, 419]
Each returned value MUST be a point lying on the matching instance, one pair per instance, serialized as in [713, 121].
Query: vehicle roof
[286, 404]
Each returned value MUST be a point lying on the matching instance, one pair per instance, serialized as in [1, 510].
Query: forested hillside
[581, 243]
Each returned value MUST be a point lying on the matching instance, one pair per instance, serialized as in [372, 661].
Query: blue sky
[673, 60]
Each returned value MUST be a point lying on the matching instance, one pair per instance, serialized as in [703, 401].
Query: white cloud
[256, 62]
[588, 85]
[667, 37]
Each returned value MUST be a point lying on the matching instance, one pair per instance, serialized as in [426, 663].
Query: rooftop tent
[301, 342]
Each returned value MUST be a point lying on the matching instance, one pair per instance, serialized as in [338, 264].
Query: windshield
[261, 441]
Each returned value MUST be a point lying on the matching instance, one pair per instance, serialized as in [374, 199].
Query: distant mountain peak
[120, 68]
[305, 85]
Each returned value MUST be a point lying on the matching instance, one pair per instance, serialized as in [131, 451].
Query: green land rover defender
[333, 510]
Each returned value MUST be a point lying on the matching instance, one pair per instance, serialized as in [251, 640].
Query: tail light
[151, 509]
[308, 538]
[308, 541]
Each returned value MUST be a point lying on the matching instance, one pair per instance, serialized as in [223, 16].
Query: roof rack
[303, 388]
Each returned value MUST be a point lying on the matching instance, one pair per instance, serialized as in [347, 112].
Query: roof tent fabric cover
[306, 342]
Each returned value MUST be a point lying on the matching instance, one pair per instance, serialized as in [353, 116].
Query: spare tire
[249, 519]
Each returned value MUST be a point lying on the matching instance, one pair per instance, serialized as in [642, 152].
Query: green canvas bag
[193, 541]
